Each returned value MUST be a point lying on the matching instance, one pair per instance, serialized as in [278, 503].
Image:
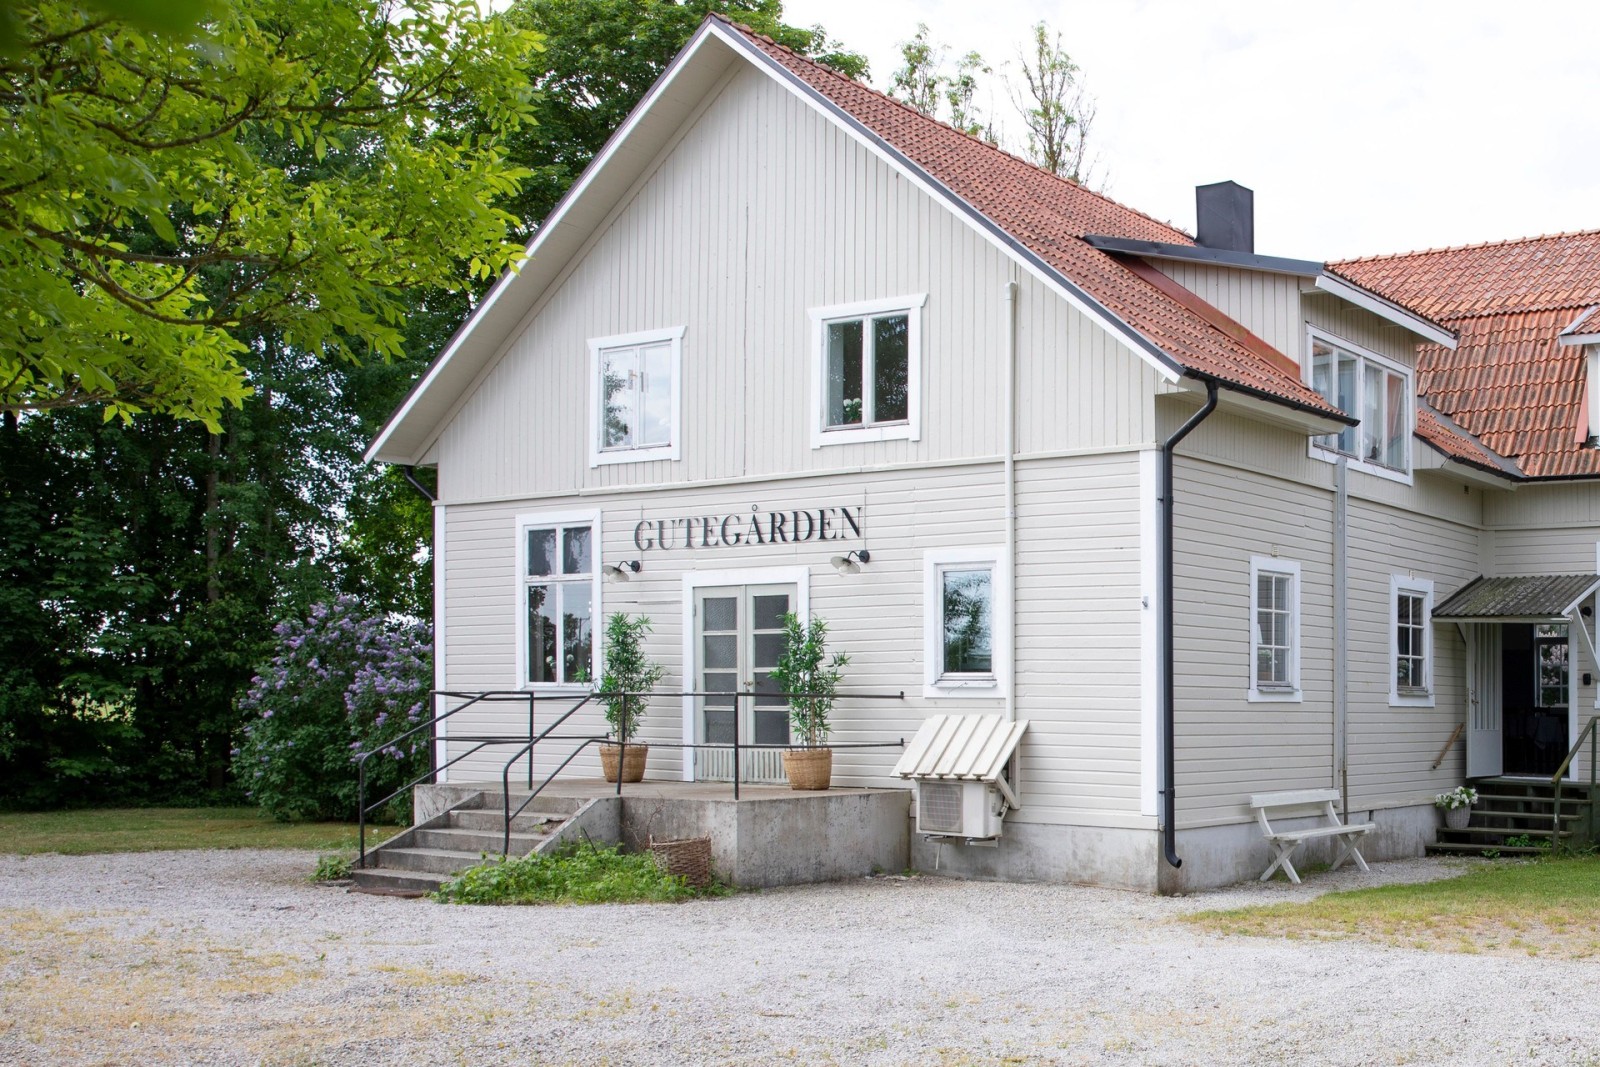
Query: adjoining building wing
[1519, 381]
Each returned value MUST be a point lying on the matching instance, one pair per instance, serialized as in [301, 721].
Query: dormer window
[1375, 390]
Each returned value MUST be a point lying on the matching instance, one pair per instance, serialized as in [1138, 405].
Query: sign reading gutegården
[757, 528]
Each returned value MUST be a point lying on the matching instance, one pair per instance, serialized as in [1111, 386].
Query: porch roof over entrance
[1527, 598]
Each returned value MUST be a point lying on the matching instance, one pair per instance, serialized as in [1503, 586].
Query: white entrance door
[738, 639]
[1485, 749]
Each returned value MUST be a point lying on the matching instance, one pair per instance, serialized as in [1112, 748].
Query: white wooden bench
[1295, 803]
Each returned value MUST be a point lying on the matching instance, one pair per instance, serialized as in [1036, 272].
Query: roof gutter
[1169, 835]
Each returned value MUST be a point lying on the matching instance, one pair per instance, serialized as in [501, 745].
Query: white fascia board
[1571, 608]
[1385, 309]
[550, 226]
[1165, 365]
[1576, 339]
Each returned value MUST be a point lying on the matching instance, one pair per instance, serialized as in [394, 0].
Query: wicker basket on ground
[690, 858]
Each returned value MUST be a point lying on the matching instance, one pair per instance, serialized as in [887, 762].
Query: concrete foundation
[1216, 856]
[1040, 852]
[771, 836]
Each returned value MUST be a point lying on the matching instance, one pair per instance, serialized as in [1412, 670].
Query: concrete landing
[771, 836]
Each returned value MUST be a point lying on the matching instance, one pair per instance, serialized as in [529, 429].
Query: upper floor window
[1376, 391]
[560, 598]
[1274, 629]
[636, 389]
[868, 371]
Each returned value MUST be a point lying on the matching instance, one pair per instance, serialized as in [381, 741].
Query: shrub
[804, 669]
[339, 683]
[573, 874]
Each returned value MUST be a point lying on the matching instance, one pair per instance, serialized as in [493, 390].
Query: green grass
[575, 874]
[1542, 907]
[77, 833]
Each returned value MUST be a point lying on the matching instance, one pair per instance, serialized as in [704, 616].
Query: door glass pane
[968, 622]
[767, 693]
[890, 368]
[772, 726]
[1551, 663]
[719, 726]
[721, 651]
[541, 634]
[767, 648]
[720, 613]
[844, 374]
[575, 551]
[541, 552]
[577, 631]
[619, 381]
[717, 683]
[767, 612]
[655, 423]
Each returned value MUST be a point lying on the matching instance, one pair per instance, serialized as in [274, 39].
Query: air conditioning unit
[960, 809]
[964, 770]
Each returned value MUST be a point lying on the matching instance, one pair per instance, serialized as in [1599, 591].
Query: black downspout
[410, 473]
[1169, 807]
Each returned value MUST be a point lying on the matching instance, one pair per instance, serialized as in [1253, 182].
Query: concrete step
[384, 882]
[456, 839]
[1479, 848]
[543, 802]
[529, 822]
[428, 860]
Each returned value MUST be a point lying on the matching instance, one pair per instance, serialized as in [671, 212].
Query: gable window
[1373, 389]
[1274, 629]
[559, 599]
[967, 644]
[867, 371]
[1411, 650]
[636, 386]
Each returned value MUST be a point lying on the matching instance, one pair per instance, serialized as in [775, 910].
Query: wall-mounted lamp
[1586, 611]
[621, 572]
[850, 562]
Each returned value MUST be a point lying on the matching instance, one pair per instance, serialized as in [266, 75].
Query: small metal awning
[1526, 598]
[971, 748]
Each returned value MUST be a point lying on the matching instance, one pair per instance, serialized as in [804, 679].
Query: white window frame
[1273, 565]
[1333, 455]
[1410, 586]
[598, 346]
[936, 683]
[911, 428]
[534, 521]
[1592, 380]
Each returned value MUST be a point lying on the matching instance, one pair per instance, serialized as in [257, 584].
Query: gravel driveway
[230, 957]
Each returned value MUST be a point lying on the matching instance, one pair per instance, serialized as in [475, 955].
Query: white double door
[738, 638]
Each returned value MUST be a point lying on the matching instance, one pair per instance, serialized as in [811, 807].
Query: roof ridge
[1504, 242]
[991, 146]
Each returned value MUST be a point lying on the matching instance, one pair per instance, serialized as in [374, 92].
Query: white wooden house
[782, 319]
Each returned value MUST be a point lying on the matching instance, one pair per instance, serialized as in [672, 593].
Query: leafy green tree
[601, 57]
[1056, 109]
[161, 199]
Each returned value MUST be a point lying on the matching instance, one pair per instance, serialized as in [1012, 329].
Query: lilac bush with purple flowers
[339, 683]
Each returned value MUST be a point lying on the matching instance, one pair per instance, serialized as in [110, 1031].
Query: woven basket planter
[632, 763]
[689, 859]
[808, 768]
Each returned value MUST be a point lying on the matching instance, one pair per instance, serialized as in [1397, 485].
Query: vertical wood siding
[761, 211]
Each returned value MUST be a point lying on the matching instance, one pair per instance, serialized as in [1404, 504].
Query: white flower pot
[1457, 818]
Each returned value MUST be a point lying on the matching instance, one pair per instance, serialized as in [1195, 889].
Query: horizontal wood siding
[761, 211]
[1227, 513]
[1078, 614]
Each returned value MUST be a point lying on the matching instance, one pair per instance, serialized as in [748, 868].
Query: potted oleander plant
[629, 674]
[1457, 806]
[810, 677]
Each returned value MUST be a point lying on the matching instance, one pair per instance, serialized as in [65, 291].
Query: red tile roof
[1447, 437]
[1050, 215]
[1509, 383]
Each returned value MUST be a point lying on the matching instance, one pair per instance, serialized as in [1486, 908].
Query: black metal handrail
[621, 741]
[491, 696]
[1593, 735]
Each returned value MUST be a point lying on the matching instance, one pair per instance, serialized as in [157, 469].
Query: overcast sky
[1362, 127]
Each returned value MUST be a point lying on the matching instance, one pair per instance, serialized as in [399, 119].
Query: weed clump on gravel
[571, 875]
